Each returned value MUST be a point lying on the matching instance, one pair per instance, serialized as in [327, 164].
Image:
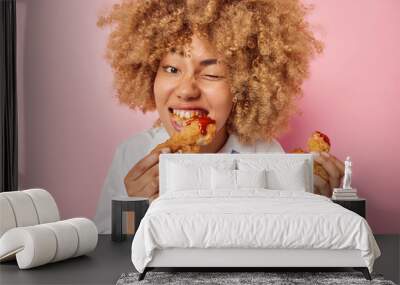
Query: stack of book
[344, 194]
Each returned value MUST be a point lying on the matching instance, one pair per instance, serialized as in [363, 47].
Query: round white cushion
[23, 208]
[87, 234]
[67, 238]
[45, 205]
[7, 218]
[33, 246]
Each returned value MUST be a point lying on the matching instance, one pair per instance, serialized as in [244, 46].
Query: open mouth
[179, 117]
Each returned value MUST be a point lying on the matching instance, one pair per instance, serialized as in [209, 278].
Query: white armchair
[32, 233]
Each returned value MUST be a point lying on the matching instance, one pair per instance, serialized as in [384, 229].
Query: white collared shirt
[135, 148]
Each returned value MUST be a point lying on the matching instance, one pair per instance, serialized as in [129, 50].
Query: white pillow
[223, 179]
[290, 179]
[181, 177]
[251, 178]
[282, 174]
[235, 179]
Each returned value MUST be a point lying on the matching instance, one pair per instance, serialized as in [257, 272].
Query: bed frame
[246, 259]
[242, 259]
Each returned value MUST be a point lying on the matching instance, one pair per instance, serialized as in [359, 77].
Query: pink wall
[70, 124]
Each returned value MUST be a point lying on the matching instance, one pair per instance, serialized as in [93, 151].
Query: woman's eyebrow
[209, 61]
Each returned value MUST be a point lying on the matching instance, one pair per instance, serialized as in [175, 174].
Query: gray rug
[270, 278]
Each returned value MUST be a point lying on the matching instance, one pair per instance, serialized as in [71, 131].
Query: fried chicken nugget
[317, 142]
[197, 132]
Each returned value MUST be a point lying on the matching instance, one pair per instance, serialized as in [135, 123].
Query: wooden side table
[123, 209]
[358, 205]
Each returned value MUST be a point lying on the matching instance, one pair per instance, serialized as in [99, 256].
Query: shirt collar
[232, 145]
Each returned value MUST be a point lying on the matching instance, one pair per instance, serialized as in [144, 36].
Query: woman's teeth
[187, 114]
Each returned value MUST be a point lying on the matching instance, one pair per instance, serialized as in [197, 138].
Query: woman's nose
[188, 90]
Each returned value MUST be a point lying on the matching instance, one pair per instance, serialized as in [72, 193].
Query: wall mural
[223, 78]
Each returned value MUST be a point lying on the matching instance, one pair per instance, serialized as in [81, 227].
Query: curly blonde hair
[267, 46]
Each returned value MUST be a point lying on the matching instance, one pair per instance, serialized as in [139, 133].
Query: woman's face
[193, 84]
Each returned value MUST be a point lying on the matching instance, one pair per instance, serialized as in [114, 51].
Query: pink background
[70, 122]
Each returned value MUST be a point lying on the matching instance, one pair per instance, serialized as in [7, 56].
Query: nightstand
[126, 214]
[357, 205]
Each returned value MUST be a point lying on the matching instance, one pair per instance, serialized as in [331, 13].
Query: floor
[110, 260]
[389, 262]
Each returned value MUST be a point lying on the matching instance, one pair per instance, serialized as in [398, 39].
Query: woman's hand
[142, 179]
[335, 169]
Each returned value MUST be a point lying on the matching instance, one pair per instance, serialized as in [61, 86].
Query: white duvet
[250, 219]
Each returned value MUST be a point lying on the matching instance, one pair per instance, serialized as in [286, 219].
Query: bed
[247, 210]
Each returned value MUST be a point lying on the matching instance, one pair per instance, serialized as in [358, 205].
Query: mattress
[250, 219]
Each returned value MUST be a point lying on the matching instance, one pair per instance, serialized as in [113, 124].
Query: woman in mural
[241, 63]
